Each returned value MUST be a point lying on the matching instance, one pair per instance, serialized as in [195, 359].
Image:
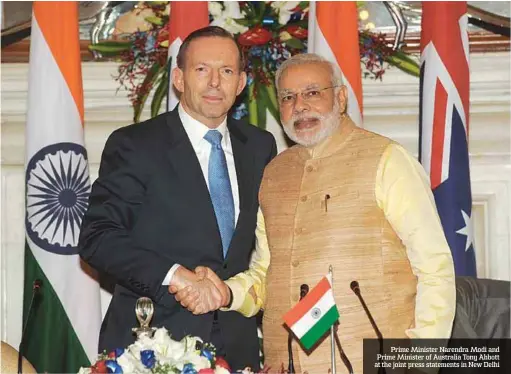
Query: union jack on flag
[444, 114]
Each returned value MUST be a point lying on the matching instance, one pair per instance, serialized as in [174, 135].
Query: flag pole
[332, 334]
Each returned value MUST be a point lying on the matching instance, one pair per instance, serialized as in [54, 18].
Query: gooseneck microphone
[304, 290]
[356, 289]
[36, 287]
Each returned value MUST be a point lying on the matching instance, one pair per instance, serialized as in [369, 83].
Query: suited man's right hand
[195, 292]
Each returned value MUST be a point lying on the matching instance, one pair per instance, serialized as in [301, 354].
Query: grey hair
[309, 58]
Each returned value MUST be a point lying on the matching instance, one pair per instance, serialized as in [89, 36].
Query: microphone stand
[36, 286]
[356, 289]
[304, 289]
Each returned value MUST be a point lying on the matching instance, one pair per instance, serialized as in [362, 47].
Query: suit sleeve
[249, 287]
[115, 201]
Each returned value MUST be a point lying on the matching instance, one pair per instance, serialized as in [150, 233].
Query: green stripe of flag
[51, 345]
[317, 331]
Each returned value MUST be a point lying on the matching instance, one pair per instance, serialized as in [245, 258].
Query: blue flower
[118, 352]
[147, 358]
[188, 369]
[113, 367]
[208, 354]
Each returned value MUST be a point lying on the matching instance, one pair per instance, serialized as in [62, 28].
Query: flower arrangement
[162, 355]
[269, 32]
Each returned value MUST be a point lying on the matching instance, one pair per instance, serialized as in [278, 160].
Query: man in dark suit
[180, 191]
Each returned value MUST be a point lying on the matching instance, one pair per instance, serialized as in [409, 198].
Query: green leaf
[294, 43]
[271, 101]
[110, 47]
[404, 63]
[252, 105]
[303, 4]
[154, 20]
[245, 22]
[151, 76]
[261, 107]
[160, 93]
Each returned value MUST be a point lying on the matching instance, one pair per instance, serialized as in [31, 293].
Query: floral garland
[162, 355]
[268, 32]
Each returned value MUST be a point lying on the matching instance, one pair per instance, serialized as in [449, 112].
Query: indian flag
[185, 18]
[314, 314]
[333, 34]
[63, 329]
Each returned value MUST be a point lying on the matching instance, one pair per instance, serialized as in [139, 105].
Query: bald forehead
[307, 75]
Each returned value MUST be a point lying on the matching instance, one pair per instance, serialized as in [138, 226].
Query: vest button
[303, 198]
[309, 168]
[298, 231]
[295, 263]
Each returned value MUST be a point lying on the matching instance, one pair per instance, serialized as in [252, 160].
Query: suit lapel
[189, 173]
[243, 159]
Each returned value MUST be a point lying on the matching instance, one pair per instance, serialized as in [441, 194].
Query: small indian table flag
[314, 314]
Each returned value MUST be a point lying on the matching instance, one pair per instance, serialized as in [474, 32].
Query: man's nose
[300, 104]
[214, 79]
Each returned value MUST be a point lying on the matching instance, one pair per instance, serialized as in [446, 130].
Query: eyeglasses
[310, 95]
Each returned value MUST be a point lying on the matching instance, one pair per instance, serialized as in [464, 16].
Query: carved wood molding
[19, 52]
[479, 42]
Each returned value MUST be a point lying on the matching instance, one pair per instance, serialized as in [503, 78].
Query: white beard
[329, 123]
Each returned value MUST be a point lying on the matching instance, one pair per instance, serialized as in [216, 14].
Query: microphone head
[304, 290]
[37, 284]
[354, 286]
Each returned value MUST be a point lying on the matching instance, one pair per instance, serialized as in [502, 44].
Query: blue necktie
[220, 188]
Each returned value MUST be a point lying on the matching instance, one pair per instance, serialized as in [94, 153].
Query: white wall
[390, 108]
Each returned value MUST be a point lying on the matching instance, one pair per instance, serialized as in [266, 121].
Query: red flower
[99, 368]
[207, 371]
[111, 355]
[297, 31]
[220, 361]
[256, 36]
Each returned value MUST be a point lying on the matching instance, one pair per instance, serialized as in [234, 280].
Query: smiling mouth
[306, 124]
[212, 99]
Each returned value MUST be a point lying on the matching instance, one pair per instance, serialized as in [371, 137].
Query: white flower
[130, 363]
[84, 371]
[226, 18]
[215, 9]
[199, 362]
[283, 9]
[221, 370]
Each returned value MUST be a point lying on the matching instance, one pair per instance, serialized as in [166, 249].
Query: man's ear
[178, 80]
[342, 95]
[242, 83]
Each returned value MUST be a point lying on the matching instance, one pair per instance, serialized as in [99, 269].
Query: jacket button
[295, 298]
[225, 266]
[295, 263]
[298, 231]
[303, 198]
[309, 168]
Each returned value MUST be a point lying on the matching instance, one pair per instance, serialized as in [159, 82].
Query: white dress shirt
[196, 132]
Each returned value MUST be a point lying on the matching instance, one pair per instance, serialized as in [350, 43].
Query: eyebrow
[310, 86]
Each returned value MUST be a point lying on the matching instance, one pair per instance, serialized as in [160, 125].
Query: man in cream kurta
[345, 197]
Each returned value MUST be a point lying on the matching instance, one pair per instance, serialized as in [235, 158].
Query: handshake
[201, 291]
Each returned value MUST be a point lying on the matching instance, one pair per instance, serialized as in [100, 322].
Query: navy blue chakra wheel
[58, 189]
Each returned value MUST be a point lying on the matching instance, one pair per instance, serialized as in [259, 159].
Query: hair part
[309, 58]
[207, 32]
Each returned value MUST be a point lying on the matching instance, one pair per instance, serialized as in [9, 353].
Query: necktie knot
[214, 137]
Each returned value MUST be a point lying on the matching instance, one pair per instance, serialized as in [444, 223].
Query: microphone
[356, 289]
[36, 287]
[304, 290]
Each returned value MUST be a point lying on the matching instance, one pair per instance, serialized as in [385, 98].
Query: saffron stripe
[307, 303]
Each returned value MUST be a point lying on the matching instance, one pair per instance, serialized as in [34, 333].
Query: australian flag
[444, 114]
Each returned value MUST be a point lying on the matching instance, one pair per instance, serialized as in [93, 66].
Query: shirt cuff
[238, 295]
[170, 274]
